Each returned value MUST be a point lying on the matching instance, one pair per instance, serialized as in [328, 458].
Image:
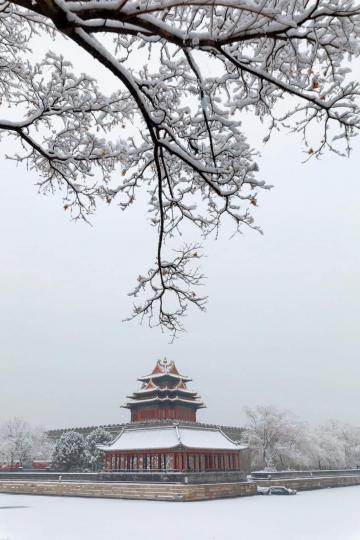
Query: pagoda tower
[164, 396]
[163, 435]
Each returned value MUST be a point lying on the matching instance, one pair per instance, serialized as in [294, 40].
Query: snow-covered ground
[331, 514]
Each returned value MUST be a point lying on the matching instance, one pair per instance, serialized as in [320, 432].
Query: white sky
[282, 324]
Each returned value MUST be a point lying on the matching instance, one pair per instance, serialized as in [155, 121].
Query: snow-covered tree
[94, 456]
[69, 452]
[21, 443]
[338, 446]
[16, 442]
[42, 446]
[350, 436]
[186, 74]
[277, 438]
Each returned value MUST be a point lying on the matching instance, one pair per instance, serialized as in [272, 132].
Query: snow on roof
[194, 401]
[206, 438]
[164, 375]
[164, 389]
[171, 437]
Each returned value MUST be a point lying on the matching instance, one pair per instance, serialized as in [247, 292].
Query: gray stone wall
[306, 484]
[167, 492]
[159, 492]
[257, 475]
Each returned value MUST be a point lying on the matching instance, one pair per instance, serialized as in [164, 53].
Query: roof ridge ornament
[163, 365]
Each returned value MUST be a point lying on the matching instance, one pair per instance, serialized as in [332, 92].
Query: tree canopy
[279, 440]
[186, 73]
[69, 452]
[20, 443]
[74, 452]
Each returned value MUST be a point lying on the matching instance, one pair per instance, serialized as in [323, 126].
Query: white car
[281, 490]
[275, 490]
[262, 490]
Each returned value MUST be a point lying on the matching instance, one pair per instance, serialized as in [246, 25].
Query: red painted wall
[163, 413]
[7, 467]
[186, 460]
[40, 465]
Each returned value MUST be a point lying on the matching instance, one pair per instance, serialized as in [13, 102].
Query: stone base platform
[151, 492]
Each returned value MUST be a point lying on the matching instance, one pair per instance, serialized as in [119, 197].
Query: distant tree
[93, 456]
[278, 439]
[281, 441]
[16, 442]
[187, 72]
[22, 443]
[42, 445]
[338, 445]
[350, 435]
[69, 452]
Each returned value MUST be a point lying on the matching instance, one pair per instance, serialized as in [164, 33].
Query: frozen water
[330, 514]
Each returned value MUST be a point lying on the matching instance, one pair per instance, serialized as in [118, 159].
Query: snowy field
[331, 514]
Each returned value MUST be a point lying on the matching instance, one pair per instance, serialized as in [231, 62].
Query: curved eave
[129, 405]
[143, 393]
[176, 447]
[147, 378]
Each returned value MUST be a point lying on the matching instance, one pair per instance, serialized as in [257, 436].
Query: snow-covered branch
[203, 64]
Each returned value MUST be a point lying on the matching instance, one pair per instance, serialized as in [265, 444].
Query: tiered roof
[164, 386]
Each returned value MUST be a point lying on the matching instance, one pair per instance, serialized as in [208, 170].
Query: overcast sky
[282, 324]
